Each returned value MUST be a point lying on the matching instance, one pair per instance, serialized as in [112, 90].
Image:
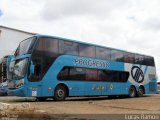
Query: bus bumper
[16, 92]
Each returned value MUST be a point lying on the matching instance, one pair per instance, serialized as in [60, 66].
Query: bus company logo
[91, 63]
[137, 74]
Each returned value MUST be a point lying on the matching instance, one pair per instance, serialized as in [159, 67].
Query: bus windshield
[25, 46]
[18, 68]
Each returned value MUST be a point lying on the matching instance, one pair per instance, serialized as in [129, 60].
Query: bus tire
[60, 93]
[140, 92]
[132, 92]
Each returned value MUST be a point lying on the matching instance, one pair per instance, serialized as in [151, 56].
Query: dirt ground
[103, 105]
[95, 107]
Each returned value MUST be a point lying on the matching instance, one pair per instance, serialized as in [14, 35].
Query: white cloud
[65, 8]
[132, 25]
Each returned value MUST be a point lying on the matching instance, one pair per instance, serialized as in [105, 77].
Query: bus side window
[123, 76]
[117, 55]
[149, 61]
[103, 53]
[64, 74]
[87, 50]
[67, 47]
[92, 75]
[129, 57]
[139, 59]
[77, 73]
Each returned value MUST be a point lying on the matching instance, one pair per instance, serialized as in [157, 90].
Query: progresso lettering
[91, 63]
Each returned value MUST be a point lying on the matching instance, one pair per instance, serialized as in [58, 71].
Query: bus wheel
[140, 92]
[132, 92]
[60, 93]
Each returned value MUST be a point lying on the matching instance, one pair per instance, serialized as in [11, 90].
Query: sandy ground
[94, 107]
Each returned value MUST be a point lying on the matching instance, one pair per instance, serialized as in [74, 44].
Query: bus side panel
[82, 88]
[142, 75]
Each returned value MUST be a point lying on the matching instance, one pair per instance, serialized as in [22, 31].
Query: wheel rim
[60, 93]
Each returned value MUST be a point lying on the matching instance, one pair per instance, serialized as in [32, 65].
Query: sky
[132, 25]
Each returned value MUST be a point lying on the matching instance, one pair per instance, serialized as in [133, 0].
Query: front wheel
[60, 93]
[132, 92]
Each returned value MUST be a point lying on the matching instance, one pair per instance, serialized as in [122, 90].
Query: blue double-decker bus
[54, 67]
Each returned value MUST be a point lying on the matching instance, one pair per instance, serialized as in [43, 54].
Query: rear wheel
[60, 93]
[140, 92]
[132, 92]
